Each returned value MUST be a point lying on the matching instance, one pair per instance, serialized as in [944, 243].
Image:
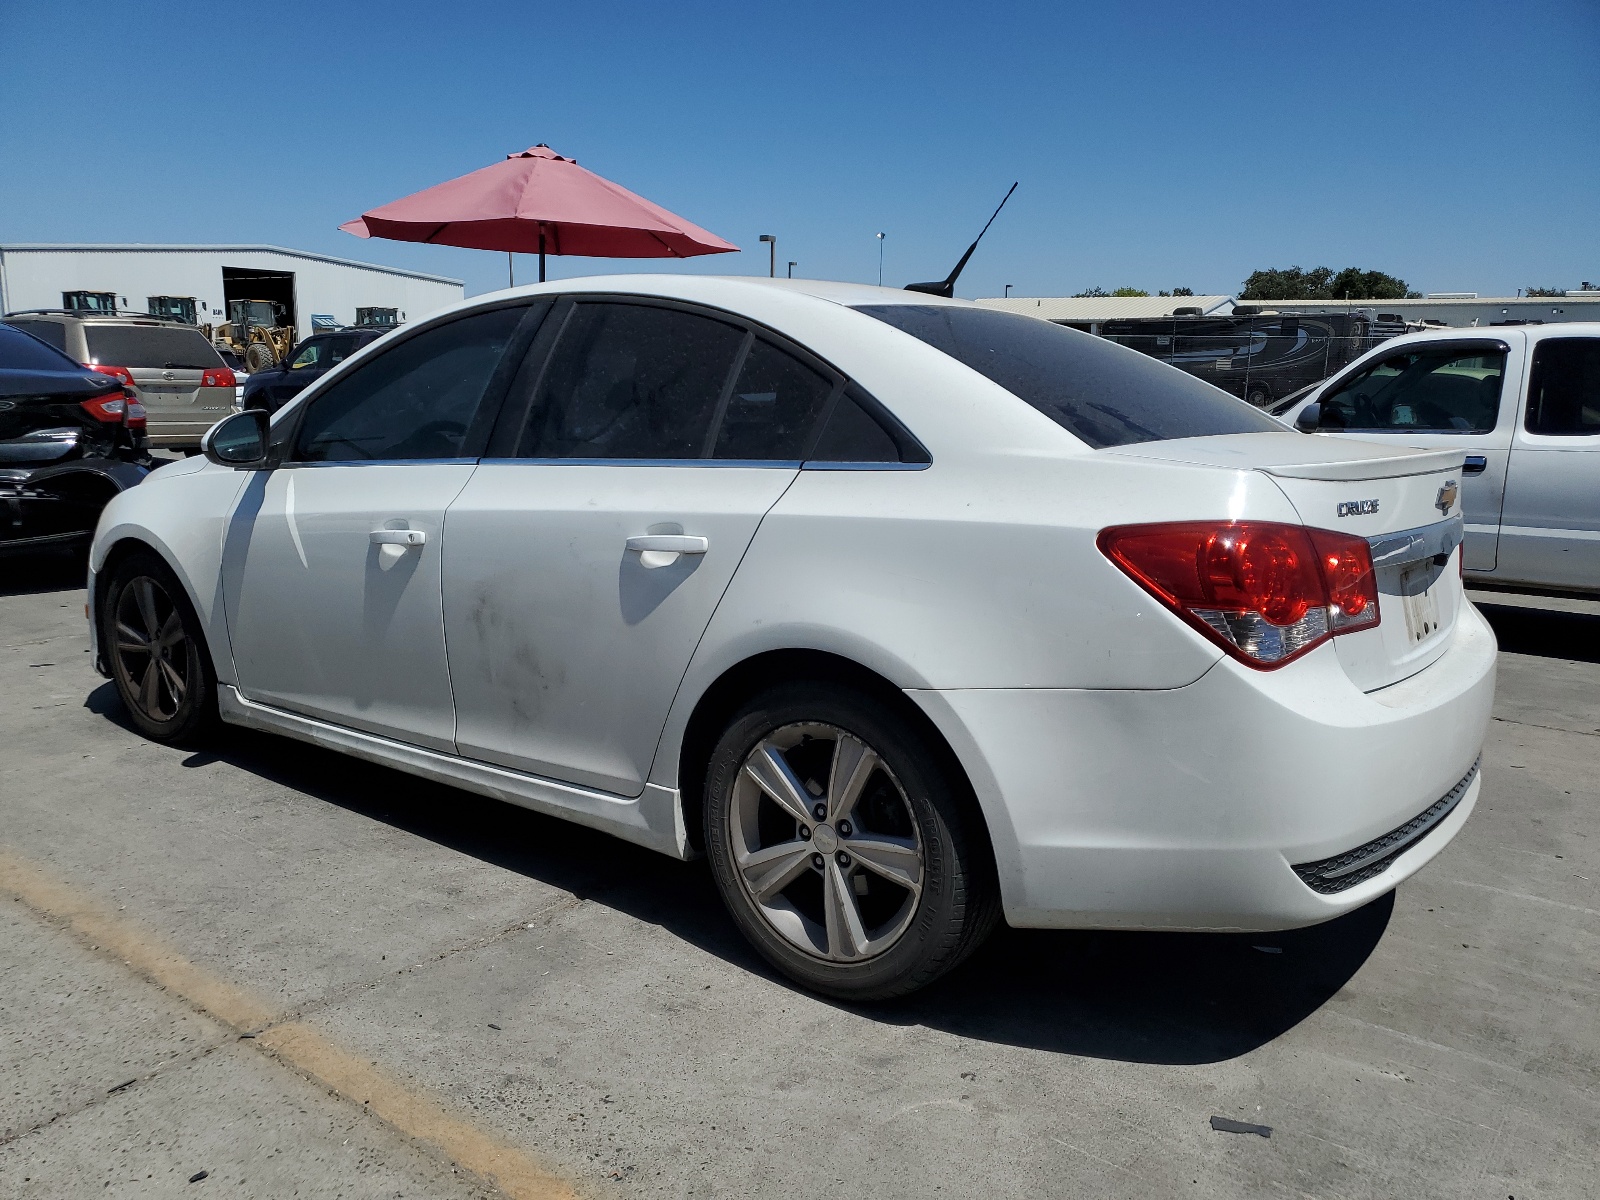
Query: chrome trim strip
[1414, 545]
[865, 466]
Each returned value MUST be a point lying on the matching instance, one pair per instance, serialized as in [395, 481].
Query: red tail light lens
[136, 416]
[121, 374]
[112, 408]
[1265, 591]
[219, 377]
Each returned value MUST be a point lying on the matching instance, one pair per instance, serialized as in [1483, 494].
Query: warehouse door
[275, 287]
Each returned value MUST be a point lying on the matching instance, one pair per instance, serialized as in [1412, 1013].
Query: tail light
[110, 409]
[1264, 591]
[135, 414]
[219, 377]
[121, 374]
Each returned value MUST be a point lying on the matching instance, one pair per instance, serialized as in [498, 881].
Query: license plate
[1421, 601]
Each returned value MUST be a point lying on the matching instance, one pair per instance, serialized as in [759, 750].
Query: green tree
[1321, 283]
[1130, 291]
[1183, 291]
[1547, 291]
[1090, 292]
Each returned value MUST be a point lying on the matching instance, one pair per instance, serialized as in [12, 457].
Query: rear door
[168, 364]
[587, 558]
[1444, 394]
[1550, 534]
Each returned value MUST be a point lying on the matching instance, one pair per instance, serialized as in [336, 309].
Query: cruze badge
[1357, 508]
[1447, 497]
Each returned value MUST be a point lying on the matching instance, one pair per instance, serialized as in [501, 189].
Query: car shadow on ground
[1141, 997]
[30, 573]
[1545, 632]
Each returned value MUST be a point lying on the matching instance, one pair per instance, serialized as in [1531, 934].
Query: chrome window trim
[790, 464]
[865, 466]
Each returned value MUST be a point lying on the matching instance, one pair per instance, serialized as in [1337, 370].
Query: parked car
[1523, 404]
[173, 370]
[904, 612]
[273, 387]
[70, 439]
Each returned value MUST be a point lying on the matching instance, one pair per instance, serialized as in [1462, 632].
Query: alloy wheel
[153, 651]
[825, 842]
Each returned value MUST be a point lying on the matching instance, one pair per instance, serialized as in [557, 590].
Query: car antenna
[947, 287]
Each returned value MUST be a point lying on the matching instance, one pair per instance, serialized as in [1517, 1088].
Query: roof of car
[728, 287]
[1480, 332]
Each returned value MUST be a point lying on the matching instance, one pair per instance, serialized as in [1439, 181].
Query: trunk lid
[1405, 502]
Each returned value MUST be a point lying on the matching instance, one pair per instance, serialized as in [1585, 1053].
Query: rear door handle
[398, 537]
[669, 543]
[1476, 464]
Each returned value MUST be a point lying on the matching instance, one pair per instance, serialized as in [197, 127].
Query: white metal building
[315, 289]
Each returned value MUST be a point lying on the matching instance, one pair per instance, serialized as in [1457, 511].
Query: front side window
[631, 381]
[416, 401]
[1104, 394]
[1564, 389]
[308, 356]
[1440, 388]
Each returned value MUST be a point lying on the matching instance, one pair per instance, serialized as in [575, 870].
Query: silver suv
[178, 375]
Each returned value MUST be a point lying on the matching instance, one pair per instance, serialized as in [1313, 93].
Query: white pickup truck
[1523, 403]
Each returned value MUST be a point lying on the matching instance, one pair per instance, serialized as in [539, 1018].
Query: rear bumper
[1191, 808]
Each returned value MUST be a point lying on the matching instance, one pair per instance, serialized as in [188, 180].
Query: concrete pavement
[586, 1004]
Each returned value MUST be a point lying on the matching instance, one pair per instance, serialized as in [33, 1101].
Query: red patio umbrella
[538, 202]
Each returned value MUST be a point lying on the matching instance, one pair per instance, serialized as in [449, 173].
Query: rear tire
[156, 649]
[844, 843]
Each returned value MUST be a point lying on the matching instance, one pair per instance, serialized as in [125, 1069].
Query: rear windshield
[20, 352]
[1100, 392]
[150, 346]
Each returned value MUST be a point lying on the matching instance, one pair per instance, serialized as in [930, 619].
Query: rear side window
[1441, 388]
[416, 401]
[773, 407]
[47, 331]
[19, 352]
[631, 381]
[1564, 391]
[150, 346]
[1102, 393]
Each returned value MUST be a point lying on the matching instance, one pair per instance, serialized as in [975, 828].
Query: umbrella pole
[541, 254]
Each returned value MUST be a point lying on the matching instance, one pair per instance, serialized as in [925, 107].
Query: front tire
[844, 844]
[157, 652]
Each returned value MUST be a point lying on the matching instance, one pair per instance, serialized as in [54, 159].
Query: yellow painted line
[294, 1044]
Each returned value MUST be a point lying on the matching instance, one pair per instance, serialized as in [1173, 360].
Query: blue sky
[1455, 144]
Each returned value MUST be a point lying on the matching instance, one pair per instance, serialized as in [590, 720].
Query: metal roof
[1103, 308]
[151, 248]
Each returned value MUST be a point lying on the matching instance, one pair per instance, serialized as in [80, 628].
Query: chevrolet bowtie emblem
[1447, 497]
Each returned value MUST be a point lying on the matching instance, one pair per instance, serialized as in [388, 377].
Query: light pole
[880, 260]
[1008, 289]
[792, 266]
[772, 255]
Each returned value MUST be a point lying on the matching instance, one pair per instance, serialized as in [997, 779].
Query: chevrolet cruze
[906, 614]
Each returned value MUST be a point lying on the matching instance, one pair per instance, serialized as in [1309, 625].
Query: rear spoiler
[1390, 466]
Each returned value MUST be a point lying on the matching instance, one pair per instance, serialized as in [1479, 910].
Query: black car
[313, 358]
[71, 438]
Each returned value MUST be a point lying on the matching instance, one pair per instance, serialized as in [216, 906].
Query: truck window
[1564, 389]
[1439, 388]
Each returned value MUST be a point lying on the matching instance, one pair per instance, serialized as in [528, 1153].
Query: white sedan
[906, 614]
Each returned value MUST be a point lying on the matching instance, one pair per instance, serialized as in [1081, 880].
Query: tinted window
[19, 352]
[774, 407]
[325, 353]
[1102, 393]
[851, 435]
[417, 400]
[149, 346]
[1564, 392]
[631, 381]
[1448, 389]
[46, 331]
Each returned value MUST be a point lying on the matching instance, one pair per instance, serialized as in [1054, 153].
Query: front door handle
[1476, 464]
[669, 543]
[398, 537]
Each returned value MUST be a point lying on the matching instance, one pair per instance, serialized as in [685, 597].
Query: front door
[1448, 395]
[333, 563]
[584, 567]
